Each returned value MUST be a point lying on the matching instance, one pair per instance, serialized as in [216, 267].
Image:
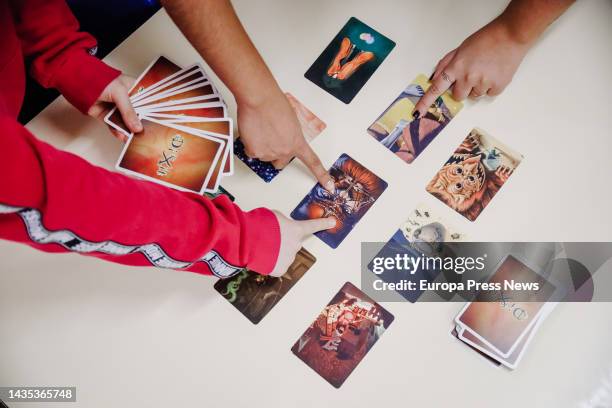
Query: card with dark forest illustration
[254, 295]
[356, 189]
[472, 176]
[342, 334]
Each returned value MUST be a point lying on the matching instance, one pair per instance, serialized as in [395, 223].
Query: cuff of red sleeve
[82, 78]
[263, 234]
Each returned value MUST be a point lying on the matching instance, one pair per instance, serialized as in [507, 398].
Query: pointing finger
[312, 161]
[439, 85]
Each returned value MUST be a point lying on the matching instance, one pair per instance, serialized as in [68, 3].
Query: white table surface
[136, 337]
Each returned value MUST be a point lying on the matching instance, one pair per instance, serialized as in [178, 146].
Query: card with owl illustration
[423, 233]
[472, 176]
[405, 136]
[355, 191]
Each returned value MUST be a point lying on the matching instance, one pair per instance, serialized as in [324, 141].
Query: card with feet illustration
[350, 60]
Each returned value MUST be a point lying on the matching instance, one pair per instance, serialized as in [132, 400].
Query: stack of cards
[187, 141]
[501, 326]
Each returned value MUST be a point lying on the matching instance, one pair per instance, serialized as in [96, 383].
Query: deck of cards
[187, 140]
[500, 328]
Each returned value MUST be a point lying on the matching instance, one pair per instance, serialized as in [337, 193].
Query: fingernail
[329, 186]
[331, 222]
[416, 114]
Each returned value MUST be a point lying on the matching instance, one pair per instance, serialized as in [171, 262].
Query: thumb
[315, 225]
[128, 114]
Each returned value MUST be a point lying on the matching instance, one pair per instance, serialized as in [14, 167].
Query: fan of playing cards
[187, 138]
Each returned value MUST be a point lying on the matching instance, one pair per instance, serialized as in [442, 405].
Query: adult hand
[292, 234]
[483, 64]
[271, 132]
[116, 93]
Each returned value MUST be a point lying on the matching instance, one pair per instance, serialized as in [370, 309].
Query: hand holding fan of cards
[187, 138]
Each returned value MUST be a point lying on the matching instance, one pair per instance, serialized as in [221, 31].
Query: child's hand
[117, 93]
[292, 234]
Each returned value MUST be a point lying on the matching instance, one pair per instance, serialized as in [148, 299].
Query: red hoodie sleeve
[57, 202]
[61, 55]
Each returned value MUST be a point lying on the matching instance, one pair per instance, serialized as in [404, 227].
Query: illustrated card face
[342, 334]
[472, 176]
[423, 233]
[397, 130]
[501, 319]
[171, 157]
[349, 60]
[311, 126]
[356, 190]
[255, 295]
[310, 123]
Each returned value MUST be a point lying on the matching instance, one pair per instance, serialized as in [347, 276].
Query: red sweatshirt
[58, 202]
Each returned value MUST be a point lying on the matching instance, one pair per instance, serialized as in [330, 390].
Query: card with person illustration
[406, 137]
[356, 189]
[424, 233]
[342, 334]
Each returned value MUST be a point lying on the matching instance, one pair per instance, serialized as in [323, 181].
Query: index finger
[312, 161]
[439, 85]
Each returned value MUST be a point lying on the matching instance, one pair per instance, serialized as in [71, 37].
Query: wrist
[513, 33]
[262, 95]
